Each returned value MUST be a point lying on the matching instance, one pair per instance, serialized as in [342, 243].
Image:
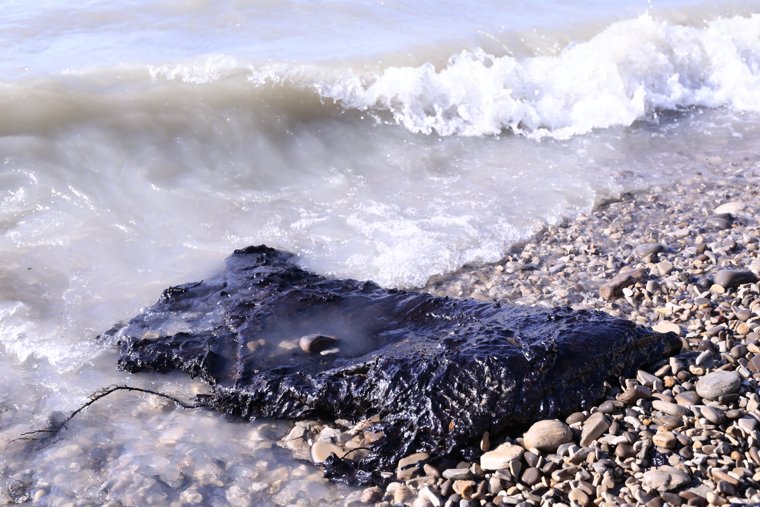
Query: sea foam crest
[624, 73]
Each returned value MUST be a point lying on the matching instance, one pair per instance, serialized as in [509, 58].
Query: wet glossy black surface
[438, 371]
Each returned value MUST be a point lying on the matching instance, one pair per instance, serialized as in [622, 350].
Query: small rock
[664, 267]
[665, 439]
[647, 378]
[485, 442]
[531, 476]
[730, 208]
[747, 424]
[465, 488]
[614, 287]
[723, 476]
[316, 343]
[743, 314]
[624, 451]
[754, 364]
[670, 408]
[665, 326]
[372, 495]
[579, 497]
[713, 414]
[687, 398]
[431, 496]
[595, 426]
[408, 465]
[730, 278]
[633, 394]
[575, 417]
[458, 474]
[320, 451]
[664, 478]
[646, 249]
[431, 471]
[719, 222]
[501, 456]
[402, 495]
[718, 383]
[547, 435]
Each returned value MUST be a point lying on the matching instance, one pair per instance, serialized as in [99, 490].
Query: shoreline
[707, 453]
[662, 443]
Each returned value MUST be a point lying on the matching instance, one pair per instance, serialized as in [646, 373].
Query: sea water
[141, 142]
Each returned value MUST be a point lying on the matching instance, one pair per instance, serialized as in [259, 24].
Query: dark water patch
[437, 371]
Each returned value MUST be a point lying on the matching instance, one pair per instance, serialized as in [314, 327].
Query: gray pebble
[730, 278]
[717, 384]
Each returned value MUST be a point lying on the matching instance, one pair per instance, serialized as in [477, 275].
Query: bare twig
[54, 428]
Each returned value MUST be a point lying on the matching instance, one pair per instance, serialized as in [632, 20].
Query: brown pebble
[665, 439]
[371, 495]
[594, 427]
[614, 287]
[465, 488]
[531, 476]
[670, 408]
[579, 497]
[402, 495]
[547, 435]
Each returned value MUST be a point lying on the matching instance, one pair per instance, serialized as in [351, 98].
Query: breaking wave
[625, 73]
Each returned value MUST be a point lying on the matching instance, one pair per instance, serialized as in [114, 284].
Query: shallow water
[140, 145]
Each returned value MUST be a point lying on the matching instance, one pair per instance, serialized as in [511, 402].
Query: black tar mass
[437, 371]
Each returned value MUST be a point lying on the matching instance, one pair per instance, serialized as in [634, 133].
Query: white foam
[625, 73]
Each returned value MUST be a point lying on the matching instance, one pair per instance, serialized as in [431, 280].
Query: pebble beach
[596, 155]
[681, 259]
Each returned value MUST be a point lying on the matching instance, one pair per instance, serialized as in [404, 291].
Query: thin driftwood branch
[53, 429]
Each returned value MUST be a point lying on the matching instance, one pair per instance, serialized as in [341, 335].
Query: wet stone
[719, 222]
[647, 249]
[409, 465]
[614, 287]
[371, 495]
[320, 451]
[316, 343]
